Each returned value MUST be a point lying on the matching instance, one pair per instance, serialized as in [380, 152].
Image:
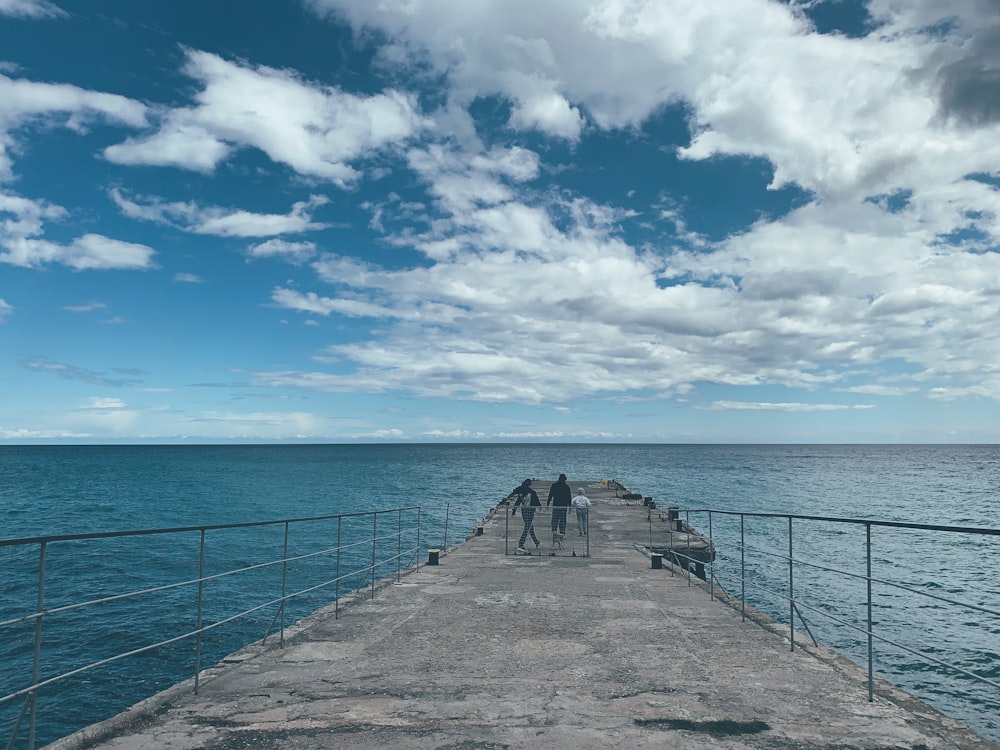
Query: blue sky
[553, 220]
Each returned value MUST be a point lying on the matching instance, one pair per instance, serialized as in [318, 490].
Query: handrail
[784, 585]
[390, 546]
[204, 527]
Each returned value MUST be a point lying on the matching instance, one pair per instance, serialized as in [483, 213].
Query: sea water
[50, 490]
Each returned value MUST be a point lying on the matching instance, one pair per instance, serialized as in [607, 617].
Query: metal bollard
[479, 531]
[432, 556]
[656, 561]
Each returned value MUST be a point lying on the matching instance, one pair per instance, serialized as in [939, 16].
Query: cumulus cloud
[87, 253]
[22, 220]
[728, 65]
[293, 252]
[30, 9]
[20, 246]
[551, 60]
[969, 82]
[502, 285]
[316, 130]
[221, 222]
[6, 309]
[23, 102]
[890, 264]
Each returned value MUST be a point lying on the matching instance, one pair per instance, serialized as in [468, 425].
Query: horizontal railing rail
[350, 552]
[773, 559]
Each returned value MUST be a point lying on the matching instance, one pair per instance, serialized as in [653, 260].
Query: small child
[582, 504]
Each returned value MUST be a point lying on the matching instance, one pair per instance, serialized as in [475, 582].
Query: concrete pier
[487, 650]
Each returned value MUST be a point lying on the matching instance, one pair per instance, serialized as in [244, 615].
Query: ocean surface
[54, 490]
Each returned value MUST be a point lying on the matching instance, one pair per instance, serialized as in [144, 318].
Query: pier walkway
[488, 650]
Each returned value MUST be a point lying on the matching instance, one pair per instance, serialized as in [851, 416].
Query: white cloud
[550, 113]
[764, 406]
[316, 130]
[453, 434]
[188, 278]
[6, 309]
[541, 56]
[30, 9]
[22, 219]
[555, 435]
[84, 308]
[221, 222]
[307, 302]
[177, 144]
[885, 280]
[388, 434]
[848, 117]
[103, 402]
[850, 280]
[293, 252]
[54, 434]
[23, 101]
[87, 253]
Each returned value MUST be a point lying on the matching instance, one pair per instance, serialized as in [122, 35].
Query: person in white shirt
[582, 504]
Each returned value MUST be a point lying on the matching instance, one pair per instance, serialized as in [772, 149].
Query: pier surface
[488, 650]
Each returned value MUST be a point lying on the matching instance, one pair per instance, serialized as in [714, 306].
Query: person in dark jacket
[560, 498]
[527, 500]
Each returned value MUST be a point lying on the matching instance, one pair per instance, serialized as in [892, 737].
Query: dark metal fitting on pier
[656, 560]
[432, 556]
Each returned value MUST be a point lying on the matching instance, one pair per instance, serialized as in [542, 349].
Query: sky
[737, 221]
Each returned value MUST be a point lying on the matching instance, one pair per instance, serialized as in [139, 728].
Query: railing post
[743, 572]
[374, 544]
[711, 559]
[36, 667]
[447, 515]
[791, 590]
[399, 543]
[419, 524]
[868, 580]
[336, 588]
[198, 614]
[284, 585]
[670, 542]
[687, 556]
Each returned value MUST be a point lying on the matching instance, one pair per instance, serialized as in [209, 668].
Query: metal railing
[787, 566]
[209, 577]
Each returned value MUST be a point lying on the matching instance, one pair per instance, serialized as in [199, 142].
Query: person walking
[582, 504]
[527, 500]
[560, 498]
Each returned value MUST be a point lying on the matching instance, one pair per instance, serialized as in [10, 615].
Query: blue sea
[50, 490]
